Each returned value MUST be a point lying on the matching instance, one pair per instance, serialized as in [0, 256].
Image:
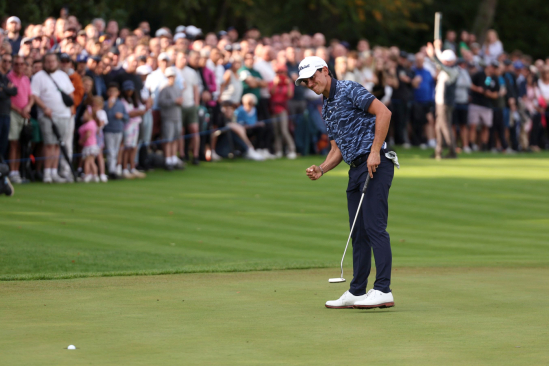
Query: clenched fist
[313, 172]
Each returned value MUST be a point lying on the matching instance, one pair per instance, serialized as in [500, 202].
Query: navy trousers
[370, 229]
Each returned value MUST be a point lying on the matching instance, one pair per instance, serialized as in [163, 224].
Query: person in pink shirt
[88, 140]
[281, 90]
[21, 105]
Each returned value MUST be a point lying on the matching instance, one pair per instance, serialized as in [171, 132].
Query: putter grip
[366, 184]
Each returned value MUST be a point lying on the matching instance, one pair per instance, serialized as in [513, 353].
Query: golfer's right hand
[313, 172]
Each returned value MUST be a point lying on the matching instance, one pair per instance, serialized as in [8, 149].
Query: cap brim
[305, 75]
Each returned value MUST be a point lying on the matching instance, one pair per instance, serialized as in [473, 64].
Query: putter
[341, 279]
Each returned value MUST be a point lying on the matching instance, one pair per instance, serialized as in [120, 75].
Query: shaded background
[521, 24]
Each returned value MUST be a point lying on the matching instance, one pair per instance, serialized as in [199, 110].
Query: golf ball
[71, 347]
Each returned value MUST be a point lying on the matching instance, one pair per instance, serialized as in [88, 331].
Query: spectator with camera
[53, 93]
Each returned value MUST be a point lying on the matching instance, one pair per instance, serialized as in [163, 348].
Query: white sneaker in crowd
[467, 149]
[510, 151]
[137, 174]
[266, 154]
[494, 150]
[291, 155]
[346, 301]
[47, 178]
[118, 170]
[423, 146]
[406, 145]
[88, 178]
[253, 154]
[103, 178]
[96, 179]
[127, 175]
[278, 155]
[15, 178]
[432, 143]
[376, 299]
[58, 179]
[474, 147]
[215, 157]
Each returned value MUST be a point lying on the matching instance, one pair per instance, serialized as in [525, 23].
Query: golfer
[357, 124]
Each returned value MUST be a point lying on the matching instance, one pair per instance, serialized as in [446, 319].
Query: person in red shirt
[282, 90]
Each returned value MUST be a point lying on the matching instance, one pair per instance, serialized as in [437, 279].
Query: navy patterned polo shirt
[347, 119]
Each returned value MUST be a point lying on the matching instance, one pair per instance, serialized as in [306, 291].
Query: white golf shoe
[376, 299]
[346, 301]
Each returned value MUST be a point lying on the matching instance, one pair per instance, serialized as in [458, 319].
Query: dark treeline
[521, 24]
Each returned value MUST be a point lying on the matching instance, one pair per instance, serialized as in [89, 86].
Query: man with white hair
[445, 96]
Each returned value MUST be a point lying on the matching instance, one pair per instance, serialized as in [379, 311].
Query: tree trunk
[484, 18]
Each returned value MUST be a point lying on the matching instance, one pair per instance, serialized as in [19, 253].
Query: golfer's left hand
[373, 163]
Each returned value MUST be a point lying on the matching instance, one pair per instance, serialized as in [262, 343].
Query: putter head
[336, 280]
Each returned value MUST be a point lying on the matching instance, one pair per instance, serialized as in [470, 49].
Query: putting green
[457, 316]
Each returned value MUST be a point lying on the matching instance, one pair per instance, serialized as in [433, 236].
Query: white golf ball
[71, 347]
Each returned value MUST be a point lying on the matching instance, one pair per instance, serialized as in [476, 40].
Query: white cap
[193, 31]
[179, 36]
[180, 29]
[162, 33]
[448, 56]
[13, 19]
[144, 70]
[170, 71]
[308, 67]
[163, 56]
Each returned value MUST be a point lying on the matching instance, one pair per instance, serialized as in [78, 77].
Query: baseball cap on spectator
[114, 50]
[128, 85]
[448, 56]
[518, 65]
[403, 54]
[507, 62]
[179, 36]
[170, 71]
[236, 47]
[26, 40]
[81, 33]
[162, 33]
[96, 58]
[228, 47]
[193, 31]
[346, 45]
[81, 59]
[13, 19]
[163, 56]
[180, 29]
[308, 67]
[221, 34]
[144, 70]
[64, 57]
[494, 63]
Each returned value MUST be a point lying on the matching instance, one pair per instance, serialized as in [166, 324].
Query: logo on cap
[304, 67]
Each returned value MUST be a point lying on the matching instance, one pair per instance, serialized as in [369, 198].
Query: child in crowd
[170, 101]
[135, 110]
[101, 118]
[246, 115]
[117, 117]
[88, 141]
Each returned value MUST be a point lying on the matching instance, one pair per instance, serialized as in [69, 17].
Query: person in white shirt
[191, 101]
[46, 86]
[263, 65]
[217, 68]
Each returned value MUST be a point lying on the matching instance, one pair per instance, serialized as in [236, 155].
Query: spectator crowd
[118, 102]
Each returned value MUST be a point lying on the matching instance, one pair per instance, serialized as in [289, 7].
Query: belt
[361, 159]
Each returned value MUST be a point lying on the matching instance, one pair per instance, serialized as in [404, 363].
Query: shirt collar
[332, 89]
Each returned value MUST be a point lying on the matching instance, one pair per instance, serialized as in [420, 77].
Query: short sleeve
[36, 84]
[360, 97]
[68, 87]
